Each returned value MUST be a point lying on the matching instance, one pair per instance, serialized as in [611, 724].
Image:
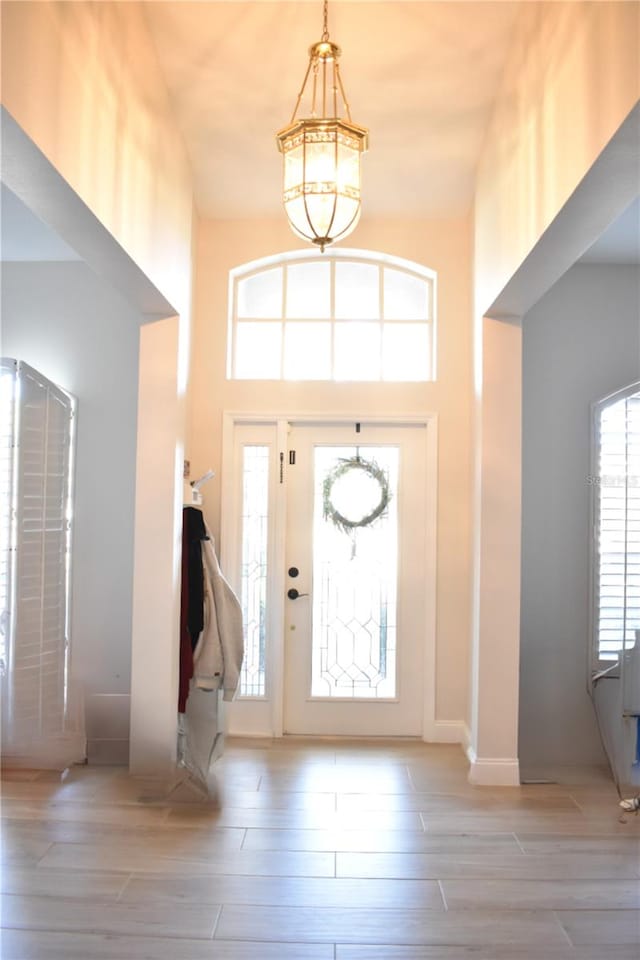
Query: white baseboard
[445, 731]
[466, 742]
[493, 771]
[51, 754]
[248, 734]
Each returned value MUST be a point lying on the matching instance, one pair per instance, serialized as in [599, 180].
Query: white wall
[493, 736]
[157, 554]
[571, 80]
[581, 342]
[445, 247]
[82, 81]
[62, 320]
[97, 106]
[572, 77]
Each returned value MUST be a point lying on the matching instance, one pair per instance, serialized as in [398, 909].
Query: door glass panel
[355, 574]
[255, 518]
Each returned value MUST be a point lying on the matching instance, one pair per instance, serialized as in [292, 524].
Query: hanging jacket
[220, 650]
[194, 533]
[186, 647]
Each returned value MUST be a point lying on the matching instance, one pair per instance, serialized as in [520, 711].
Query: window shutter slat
[37, 650]
[617, 538]
[8, 375]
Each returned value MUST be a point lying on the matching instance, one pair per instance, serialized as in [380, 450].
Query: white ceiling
[422, 77]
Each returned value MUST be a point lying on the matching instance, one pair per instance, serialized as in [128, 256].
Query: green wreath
[330, 512]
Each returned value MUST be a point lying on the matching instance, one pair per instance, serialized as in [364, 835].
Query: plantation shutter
[617, 530]
[38, 648]
[8, 373]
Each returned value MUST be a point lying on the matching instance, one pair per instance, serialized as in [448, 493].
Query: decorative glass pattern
[255, 516]
[378, 316]
[355, 585]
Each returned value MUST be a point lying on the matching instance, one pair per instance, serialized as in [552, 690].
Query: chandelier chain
[314, 95]
[325, 20]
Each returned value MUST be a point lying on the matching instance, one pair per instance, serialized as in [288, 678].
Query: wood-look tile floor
[319, 850]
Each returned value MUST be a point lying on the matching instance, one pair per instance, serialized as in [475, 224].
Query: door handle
[293, 594]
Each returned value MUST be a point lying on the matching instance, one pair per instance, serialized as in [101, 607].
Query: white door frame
[276, 592]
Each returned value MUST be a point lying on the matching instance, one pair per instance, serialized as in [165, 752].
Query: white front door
[355, 554]
[324, 536]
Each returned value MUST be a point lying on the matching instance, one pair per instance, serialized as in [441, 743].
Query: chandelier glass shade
[322, 152]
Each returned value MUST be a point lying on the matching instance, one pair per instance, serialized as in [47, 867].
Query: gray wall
[62, 320]
[580, 342]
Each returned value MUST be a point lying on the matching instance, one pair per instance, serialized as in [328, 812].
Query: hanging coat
[220, 650]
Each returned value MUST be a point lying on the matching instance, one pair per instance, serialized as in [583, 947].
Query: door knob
[293, 594]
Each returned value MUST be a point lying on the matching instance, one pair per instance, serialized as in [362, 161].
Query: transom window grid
[351, 317]
[617, 525]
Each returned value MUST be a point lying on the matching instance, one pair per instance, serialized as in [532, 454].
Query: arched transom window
[352, 316]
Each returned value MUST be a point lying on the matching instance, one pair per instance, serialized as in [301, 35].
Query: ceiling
[422, 76]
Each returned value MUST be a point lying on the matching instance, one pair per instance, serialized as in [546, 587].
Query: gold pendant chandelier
[321, 153]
